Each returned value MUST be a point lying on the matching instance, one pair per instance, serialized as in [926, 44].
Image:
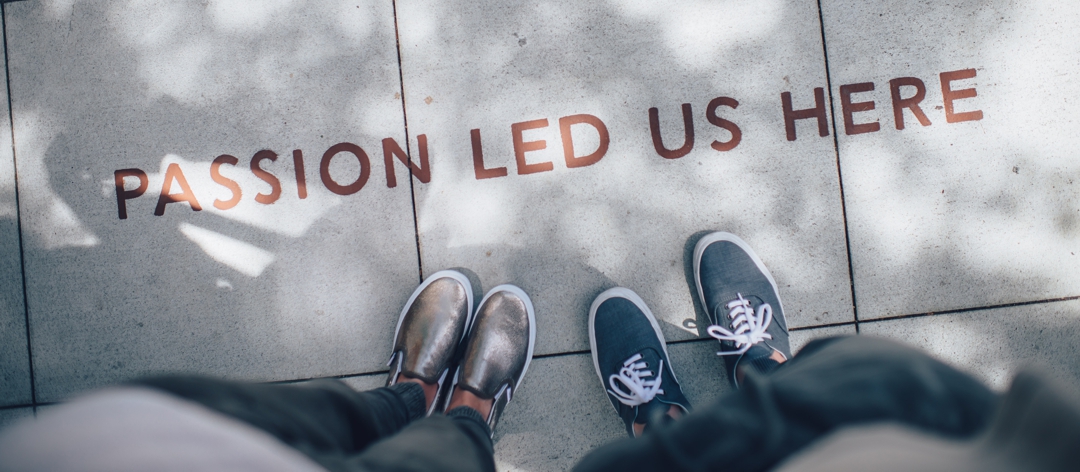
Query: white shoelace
[632, 376]
[748, 326]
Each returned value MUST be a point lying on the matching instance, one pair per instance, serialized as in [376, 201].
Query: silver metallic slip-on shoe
[432, 325]
[500, 348]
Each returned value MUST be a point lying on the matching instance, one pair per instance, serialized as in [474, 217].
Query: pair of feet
[461, 356]
[630, 354]
[478, 360]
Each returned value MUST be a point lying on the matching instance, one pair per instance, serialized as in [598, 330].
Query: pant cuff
[763, 365]
[412, 395]
[466, 414]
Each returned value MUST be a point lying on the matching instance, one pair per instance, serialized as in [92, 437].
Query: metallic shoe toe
[431, 327]
[500, 347]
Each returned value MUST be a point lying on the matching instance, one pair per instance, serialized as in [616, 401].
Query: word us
[900, 89]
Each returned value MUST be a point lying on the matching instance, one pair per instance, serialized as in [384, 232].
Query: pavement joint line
[408, 145]
[839, 172]
[16, 407]
[966, 310]
[338, 377]
[18, 208]
[826, 325]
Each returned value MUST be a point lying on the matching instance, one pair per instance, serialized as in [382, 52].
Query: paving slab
[298, 278]
[994, 344]
[14, 356]
[11, 416]
[976, 203]
[510, 76]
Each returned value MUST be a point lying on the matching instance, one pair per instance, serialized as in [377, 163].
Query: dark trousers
[830, 384]
[344, 430]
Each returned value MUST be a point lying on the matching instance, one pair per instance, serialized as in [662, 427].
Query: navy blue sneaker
[631, 358]
[742, 302]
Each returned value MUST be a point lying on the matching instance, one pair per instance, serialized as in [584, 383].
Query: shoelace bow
[633, 376]
[747, 326]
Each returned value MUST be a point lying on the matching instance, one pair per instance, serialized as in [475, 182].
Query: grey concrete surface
[632, 217]
[950, 216]
[363, 383]
[14, 356]
[994, 344]
[970, 213]
[294, 289]
[800, 338]
[14, 415]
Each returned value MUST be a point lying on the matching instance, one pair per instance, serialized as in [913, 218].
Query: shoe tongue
[721, 309]
[755, 301]
[652, 357]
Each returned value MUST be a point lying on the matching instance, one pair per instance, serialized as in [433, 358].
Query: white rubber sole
[621, 292]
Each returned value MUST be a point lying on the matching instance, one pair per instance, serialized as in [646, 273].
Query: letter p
[122, 194]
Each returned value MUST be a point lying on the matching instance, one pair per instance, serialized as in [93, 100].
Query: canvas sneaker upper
[631, 359]
[743, 304]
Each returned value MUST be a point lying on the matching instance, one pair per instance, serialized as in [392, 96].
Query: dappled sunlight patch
[480, 216]
[685, 321]
[180, 54]
[897, 216]
[603, 243]
[245, 258]
[239, 16]
[700, 33]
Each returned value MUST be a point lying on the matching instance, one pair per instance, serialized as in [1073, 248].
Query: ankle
[429, 389]
[776, 357]
[468, 399]
[674, 412]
